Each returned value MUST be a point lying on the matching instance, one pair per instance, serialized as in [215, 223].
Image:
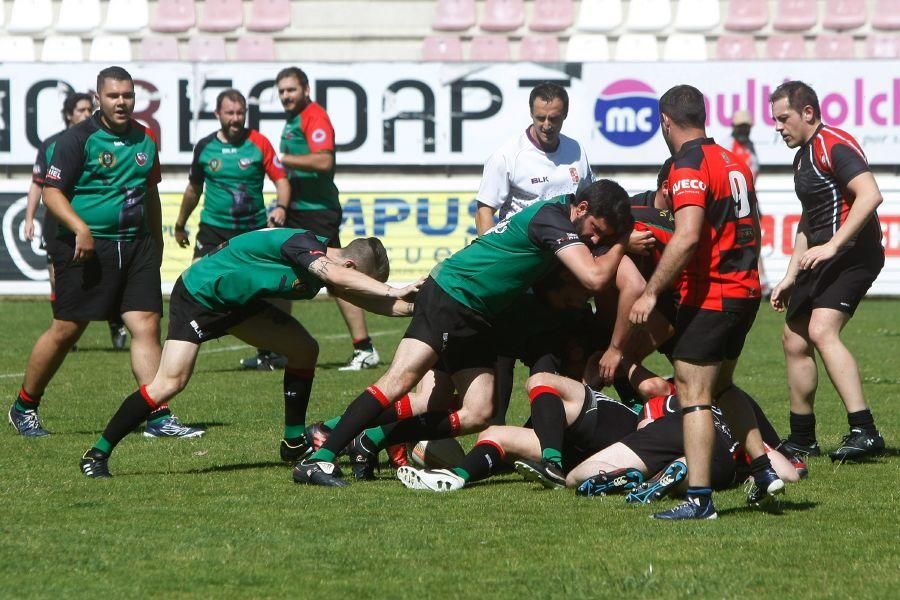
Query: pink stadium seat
[886, 14]
[206, 48]
[883, 46]
[442, 48]
[552, 15]
[221, 15]
[747, 15]
[539, 48]
[155, 48]
[256, 48]
[834, 45]
[785, 47]
[173, 16]
[736, 47]
[796, 15]
[503, 15]
[269, 15]
[488, 48]
[453, 15]
[844, 14]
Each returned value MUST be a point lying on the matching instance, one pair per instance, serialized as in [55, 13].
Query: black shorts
[708, 336]
[662, 441]
[209, 238]
[121, 277]
[601, 423]
[840, 283]
[190, 321]
[462, 337]
[325, 223]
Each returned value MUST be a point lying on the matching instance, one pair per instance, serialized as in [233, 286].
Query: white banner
[457, 114]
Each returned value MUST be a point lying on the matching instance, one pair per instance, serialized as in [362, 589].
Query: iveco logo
[627, 112]
[688, 184]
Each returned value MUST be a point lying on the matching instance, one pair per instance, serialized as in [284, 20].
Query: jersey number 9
[739, 194]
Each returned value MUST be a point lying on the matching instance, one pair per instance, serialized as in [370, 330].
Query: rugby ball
[437, 454]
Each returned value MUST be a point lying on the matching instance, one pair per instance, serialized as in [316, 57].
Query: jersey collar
[99, 122]
[814, 134]
[692, 143]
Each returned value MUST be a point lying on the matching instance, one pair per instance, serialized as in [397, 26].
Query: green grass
[221, 517]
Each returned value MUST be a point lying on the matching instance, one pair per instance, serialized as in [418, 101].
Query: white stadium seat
[587, 48]
[648, 15]
[126, 16]
[697, 15]
[30, 16]
[685, 47]
[17, 48]
[110, 48]
[62, 48]
[78, 16]
[637, 47]
[600, 16]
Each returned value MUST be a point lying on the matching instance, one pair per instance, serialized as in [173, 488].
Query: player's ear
[350, 263]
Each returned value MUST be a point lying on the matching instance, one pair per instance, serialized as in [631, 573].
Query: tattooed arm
[351, 284]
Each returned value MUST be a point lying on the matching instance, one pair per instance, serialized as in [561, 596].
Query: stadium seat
[736, 47]
[486, 48]
[269, 15]
[62, 48]
[206, 48]
[648, 15]
[697, 15]
[834, 45]
[503, 15]
[539, 48]
[110, 48]
[587, 48]
[126, 16]
[841, 15]
[886, 14]
[637, 47]
[785, 47]
[442, 48]
[158, 48]
[883, 46]
[552, 15]
[685, 47]
[221, 15]
[30, 16]
[453, 15]
[256, 48]
[599, 16]
[17, 48]
[173, 16]
[747, 15]
[796, 15]
[78, 16]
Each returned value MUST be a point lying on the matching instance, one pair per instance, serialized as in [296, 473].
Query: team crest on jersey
[573, 172]
[244, 163]
[140, 158]
[215, 164]
[107, 159]
[299, 286]
[318, 136]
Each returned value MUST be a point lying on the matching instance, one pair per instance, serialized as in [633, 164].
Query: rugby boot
[804, 449]
[546, 472]
[859, 444]
[294, 450]
[763, 487]
[362, 359]
[320, 473]
[436, 480]
[602, 484]
[659, 485]
[26, 422]
[690, 509]
[363, 461]
[95, 464]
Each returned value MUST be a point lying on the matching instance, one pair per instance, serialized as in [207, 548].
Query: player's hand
[640, 242]
[84, 246]
[642, 308]
[408, 292]
[817, 255]
[29, 229]
[781, 294]
[277, 217]
[182, 238]
[609, 364]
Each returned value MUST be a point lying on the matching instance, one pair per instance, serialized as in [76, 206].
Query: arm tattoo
[319, 267]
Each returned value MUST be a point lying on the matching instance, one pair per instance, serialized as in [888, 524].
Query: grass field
[220, 516]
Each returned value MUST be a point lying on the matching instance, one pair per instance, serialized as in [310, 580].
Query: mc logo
[627, 112]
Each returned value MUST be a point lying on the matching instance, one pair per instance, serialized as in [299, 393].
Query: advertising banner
[457, 114]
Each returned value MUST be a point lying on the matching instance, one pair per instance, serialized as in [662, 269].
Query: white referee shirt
[520, 173]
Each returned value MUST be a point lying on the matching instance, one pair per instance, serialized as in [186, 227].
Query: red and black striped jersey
[823, 167]
[661, 224]
[722, 274]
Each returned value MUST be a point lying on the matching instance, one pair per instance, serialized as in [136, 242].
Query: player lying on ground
[459, 303]
[225, 293]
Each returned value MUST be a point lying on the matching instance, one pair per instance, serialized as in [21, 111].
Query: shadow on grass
[784, 506]
[235, 467]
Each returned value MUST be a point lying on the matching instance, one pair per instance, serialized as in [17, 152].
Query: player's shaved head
[370, 257]
[684, 105]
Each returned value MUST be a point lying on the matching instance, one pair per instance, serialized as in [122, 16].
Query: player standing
[101, 188]
[715, 246]
[837, 256]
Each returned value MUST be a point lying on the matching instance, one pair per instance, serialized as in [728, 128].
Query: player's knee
[652, 387]
[476, 417]
[793, 343]
[538, 380]
[66, 333]
[821, 333]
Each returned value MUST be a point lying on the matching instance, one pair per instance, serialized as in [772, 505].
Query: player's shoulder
[258, 139]
[315, 110]
[205, 141]
[49, 141]
[829, 137]
[692, 155]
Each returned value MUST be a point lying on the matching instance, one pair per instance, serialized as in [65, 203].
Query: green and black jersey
[106, 175]
[266, 263]
[42, 160]
[495, 269]
[305, 133]
[233, 175]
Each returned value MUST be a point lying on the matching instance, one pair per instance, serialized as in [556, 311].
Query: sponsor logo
[107, 159]
[215, 164]
[627, 112]
[277, 162]
[688, 184]
[540, 180]
[197, 330]
[244, 163]
[36, 170]
[318, 136]
[54, 173]
[744, 235]
[118, 143]
[573, 173]
[229, 150]
[140, 158]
